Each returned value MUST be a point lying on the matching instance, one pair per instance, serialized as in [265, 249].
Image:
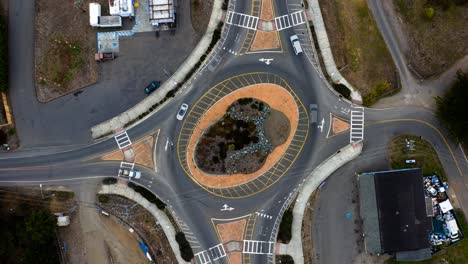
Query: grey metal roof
[369, 213]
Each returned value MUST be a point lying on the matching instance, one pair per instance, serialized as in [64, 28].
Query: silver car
[182, 111]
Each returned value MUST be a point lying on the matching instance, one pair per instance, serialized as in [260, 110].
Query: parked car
[104, 56]
[410, 161]
[152, 87]
[296, 44]
[182, 111]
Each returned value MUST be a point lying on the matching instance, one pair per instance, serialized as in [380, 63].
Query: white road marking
[266, 61]
[357, 125]
[242, 20]
[290, 20]
[123, 140]
[227, 208]
[258, 247]
[321, 126]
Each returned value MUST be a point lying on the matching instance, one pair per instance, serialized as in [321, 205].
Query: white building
[96, 20]
[161, 11]
[123, 8]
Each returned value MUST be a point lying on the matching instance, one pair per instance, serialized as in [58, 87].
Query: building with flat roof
[393, 210]
[123, 8]
[161, 12]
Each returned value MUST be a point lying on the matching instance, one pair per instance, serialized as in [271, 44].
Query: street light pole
[42, 194]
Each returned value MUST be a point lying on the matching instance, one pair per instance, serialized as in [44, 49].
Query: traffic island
[259, 89]
[231, 233]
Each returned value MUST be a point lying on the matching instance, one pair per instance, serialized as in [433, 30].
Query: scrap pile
[445, 227]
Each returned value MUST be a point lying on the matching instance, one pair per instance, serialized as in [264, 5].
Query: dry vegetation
[436, 39]
[64, 47]
[201, 12]
[356, 42]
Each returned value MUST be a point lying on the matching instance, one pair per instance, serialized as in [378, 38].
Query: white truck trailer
[96, 20]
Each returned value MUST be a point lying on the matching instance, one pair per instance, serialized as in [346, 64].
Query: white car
[296, 44]
[182, 111]
[410, 161]
[135, 174]
[130, 173]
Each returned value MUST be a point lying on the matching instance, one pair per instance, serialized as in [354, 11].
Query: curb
[145, 105]
[327, 55]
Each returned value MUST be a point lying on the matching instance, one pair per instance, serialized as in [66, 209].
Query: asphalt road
[196, 207]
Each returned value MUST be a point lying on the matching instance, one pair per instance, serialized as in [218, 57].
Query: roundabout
[210, 112]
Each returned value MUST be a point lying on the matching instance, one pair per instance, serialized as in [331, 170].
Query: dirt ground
[307, 241]
[265, 41]
[64, 47]
[277, 127]
[110, 236]
[432, 45]
[144, 224]
[201, 12]
[339, 125]
[357, 45]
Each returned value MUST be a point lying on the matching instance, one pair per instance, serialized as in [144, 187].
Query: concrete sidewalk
[132, 114]
[327, 55]
[160, 216]
[318, 175]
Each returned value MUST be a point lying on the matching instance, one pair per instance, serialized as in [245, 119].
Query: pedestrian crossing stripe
[242, 20]
[290, 20]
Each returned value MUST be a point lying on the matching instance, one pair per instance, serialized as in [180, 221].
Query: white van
[453, 229]
[296, 44]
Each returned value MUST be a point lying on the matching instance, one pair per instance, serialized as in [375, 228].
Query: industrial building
[161, 12]
[396, 217]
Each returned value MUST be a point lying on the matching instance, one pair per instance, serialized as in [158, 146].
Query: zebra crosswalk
[212, 254]
[258, 247]
[357, 124]
[290, 20]
[123, 140]
[242, 20]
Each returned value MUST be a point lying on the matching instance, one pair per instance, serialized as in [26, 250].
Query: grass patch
[424, 154]
[285, 228]
[62, 61]
[63, 195]
[103, 198]
[358, 48]
[435, 31]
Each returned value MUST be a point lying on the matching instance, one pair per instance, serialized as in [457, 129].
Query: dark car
[152, 87]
